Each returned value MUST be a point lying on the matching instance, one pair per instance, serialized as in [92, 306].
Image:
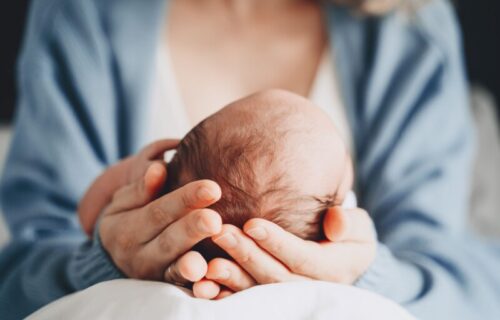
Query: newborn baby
[275, 156]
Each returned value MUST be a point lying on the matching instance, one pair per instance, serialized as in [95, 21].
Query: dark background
[480, 21]
[12, 16]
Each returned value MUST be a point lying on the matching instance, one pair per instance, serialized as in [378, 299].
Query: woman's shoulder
[48, 14]
[56, 23]
[436, 19]
[425, 23]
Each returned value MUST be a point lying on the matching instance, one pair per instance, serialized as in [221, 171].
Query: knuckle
[200, 221]
[245, 257]
[191, 227]
[187, 199]
[158, 216]
[164, 242]
[124, 242]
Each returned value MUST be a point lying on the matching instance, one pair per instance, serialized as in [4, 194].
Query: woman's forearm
[35, 273]
[436, 281]
[101, 191]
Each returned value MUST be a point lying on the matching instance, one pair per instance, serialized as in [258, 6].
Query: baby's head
[275, 156]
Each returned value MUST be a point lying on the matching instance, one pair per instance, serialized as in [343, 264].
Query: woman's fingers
[140, 192]
[340, 261]
[194, 195]
[341, 225]
[300, 256]
[162, 212]
[144, 242]
[223, 294]
[154, 152]
[190, 267]
[259, 264]
[229, 274]
[206, 289]
[156, 149]
[182, 235]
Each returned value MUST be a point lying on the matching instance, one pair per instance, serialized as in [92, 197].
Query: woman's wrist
[385, 274]
[91, 264]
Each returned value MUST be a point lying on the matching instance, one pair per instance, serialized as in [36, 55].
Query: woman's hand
[149, 238]
[128, 170]
[265, 253]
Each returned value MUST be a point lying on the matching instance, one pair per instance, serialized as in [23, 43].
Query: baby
[275, 156]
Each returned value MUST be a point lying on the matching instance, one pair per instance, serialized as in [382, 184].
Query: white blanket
[133, 299]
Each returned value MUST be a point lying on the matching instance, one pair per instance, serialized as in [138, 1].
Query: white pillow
[134, 299]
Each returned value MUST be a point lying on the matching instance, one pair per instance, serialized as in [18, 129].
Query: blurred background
[480, 24]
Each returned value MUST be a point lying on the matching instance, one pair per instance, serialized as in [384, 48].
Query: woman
[89, 97]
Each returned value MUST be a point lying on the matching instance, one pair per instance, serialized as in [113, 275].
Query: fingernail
[204, 194]
[223, 275]
[227, 240]
[258, 233]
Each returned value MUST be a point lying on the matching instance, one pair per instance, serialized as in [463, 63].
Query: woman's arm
[59, 146]
[414, 171]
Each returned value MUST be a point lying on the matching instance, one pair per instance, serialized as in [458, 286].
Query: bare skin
[222, 50]
[149, 237]
[225, 49]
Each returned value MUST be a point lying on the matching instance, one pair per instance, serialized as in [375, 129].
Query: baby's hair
[237, 160]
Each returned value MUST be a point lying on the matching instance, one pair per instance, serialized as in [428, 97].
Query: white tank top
[168, 117]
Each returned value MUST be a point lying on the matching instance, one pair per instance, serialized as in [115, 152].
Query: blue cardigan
[84, 74]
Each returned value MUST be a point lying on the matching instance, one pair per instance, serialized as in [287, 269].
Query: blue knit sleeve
[414, 168]
[59, 146]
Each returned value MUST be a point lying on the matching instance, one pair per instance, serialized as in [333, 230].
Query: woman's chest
[220, 59]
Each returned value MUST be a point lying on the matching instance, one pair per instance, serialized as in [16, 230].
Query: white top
[169, 118]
